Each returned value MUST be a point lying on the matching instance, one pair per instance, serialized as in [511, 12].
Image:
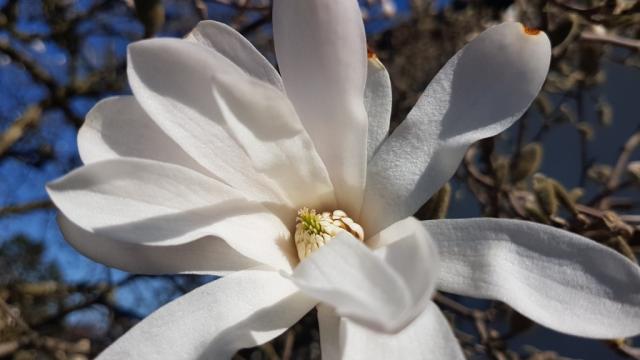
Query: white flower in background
[206, 168]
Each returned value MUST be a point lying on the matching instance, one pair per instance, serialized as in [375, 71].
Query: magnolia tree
[318, 192]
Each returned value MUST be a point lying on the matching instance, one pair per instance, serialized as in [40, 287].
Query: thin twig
[616, 40]
[6, 308]
[24, 208]
[28, 120]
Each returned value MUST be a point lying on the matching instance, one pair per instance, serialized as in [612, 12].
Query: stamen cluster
[314, 229]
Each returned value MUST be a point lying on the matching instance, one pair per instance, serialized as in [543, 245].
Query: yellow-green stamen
[314, 229]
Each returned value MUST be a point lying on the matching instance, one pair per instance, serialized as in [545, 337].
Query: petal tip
[371, 54]
[373, 59]
[531, 31]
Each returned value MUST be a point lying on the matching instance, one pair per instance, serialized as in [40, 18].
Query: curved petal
[480, 92]
[244, 309]
[321, 51]
[428, 337]
[377, 101]
[118, 127]
[411, 253]
[384, 291]
[208, 255]
[232, 45]
[148, 202]
[285, 155]
[241, 129]
[558, 279]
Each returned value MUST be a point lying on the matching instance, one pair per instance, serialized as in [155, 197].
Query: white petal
[385, 291]
[231, 44]
[377, 101]
[148, 202]
[329, 328]
[244, 130]
[321, 51]
[348, 276]
[428, 337]
[480, 92]
[241, 310]
[558, 279]
[118, 127]
[208, 255]
[275, 141]
[411, 253]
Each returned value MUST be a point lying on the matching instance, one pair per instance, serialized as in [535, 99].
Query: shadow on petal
[234, 213]
[241, 335]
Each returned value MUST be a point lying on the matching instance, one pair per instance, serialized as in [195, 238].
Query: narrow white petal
[235, 47]
[241, 129]
[411, 253]
[241, 310]
[556, 278]
[118, 127]
[207, 255]
[377, 101]
[480, 92]
[266, 126]
[148, 202]
[329, 327]
[384, 291]
[428, 337]
[349, 277]
[321, 50]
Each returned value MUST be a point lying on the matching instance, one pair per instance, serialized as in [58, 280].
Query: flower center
[314, 229]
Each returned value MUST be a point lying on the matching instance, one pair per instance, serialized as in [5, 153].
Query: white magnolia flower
[207, 166]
